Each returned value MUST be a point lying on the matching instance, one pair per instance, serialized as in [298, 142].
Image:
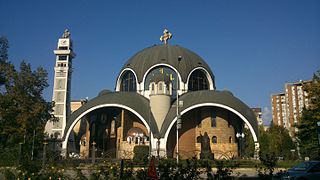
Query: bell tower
[62, 85]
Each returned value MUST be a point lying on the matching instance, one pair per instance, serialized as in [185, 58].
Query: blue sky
[252, 46]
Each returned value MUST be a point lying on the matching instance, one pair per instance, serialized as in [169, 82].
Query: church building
[165, 98]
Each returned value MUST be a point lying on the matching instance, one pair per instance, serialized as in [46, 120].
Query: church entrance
[110, 132]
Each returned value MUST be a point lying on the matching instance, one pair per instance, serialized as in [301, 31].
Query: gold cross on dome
[166, 36]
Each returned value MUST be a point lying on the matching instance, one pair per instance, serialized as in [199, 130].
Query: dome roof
[142, 61]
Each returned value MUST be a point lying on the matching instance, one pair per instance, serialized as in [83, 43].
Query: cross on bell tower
[62, 85]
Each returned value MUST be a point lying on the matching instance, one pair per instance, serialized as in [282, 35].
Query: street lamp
[158, 148]
[20, 151]
[178, 113]
[240, 136]
[45, 143]
[292, 151]
[149, 115]
[318, 129]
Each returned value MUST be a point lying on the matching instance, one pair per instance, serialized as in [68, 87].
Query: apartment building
[258, 113]
[287, 107]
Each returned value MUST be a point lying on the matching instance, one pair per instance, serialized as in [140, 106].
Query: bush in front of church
[140, 154]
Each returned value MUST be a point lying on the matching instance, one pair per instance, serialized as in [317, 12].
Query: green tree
[6, 68]
[264, 140]
[307, 134]
[280, 141]
[23, 110]
[248, 144]
[276, 140]
[3, 57]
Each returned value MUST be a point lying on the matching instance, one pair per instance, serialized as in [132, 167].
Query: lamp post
[240, 136]
[45, 143]
[158, 148]
[318, 130]
[34, 134]
[20, 151]
[178, 113]
[149, 115]
[293, 151]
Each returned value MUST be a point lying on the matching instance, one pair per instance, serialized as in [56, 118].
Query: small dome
[104, 92]
[142, 61]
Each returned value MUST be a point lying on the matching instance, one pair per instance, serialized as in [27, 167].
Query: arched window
[214, 140]
[152, 86]
[162, 70]
[199, 139]
[128, 82]
[198, 81]
[160, 86]
[230, 139]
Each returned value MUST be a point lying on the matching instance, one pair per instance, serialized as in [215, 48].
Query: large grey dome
[142, 61]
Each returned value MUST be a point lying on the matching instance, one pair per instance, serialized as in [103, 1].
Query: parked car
[305, 170]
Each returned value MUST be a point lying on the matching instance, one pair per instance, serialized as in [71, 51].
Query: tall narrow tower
[62, 85]
[160, 97]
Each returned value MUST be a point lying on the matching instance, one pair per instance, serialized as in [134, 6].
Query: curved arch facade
[251, 127]
[189, 144]
[77, 119]
[132, 102]
[223, 99]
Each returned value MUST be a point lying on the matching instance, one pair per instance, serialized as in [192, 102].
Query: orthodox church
[165, 98]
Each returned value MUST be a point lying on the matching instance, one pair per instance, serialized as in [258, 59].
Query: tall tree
[307, 134]
[4, 45]
[280, 141]
[248, 144]
[23, 110]
[6, 68]
[264, 140]
[276, 140]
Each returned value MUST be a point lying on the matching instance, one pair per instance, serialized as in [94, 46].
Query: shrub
[9, 156]
[8, 174]
[141, 154]
[269, 162]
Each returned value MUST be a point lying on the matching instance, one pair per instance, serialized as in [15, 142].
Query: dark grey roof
[166, 54]
[208, 96]
[104, 92]
[130, 99]
[140, 104]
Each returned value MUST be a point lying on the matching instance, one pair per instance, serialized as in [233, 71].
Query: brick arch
[78, 118]
[246, 121]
